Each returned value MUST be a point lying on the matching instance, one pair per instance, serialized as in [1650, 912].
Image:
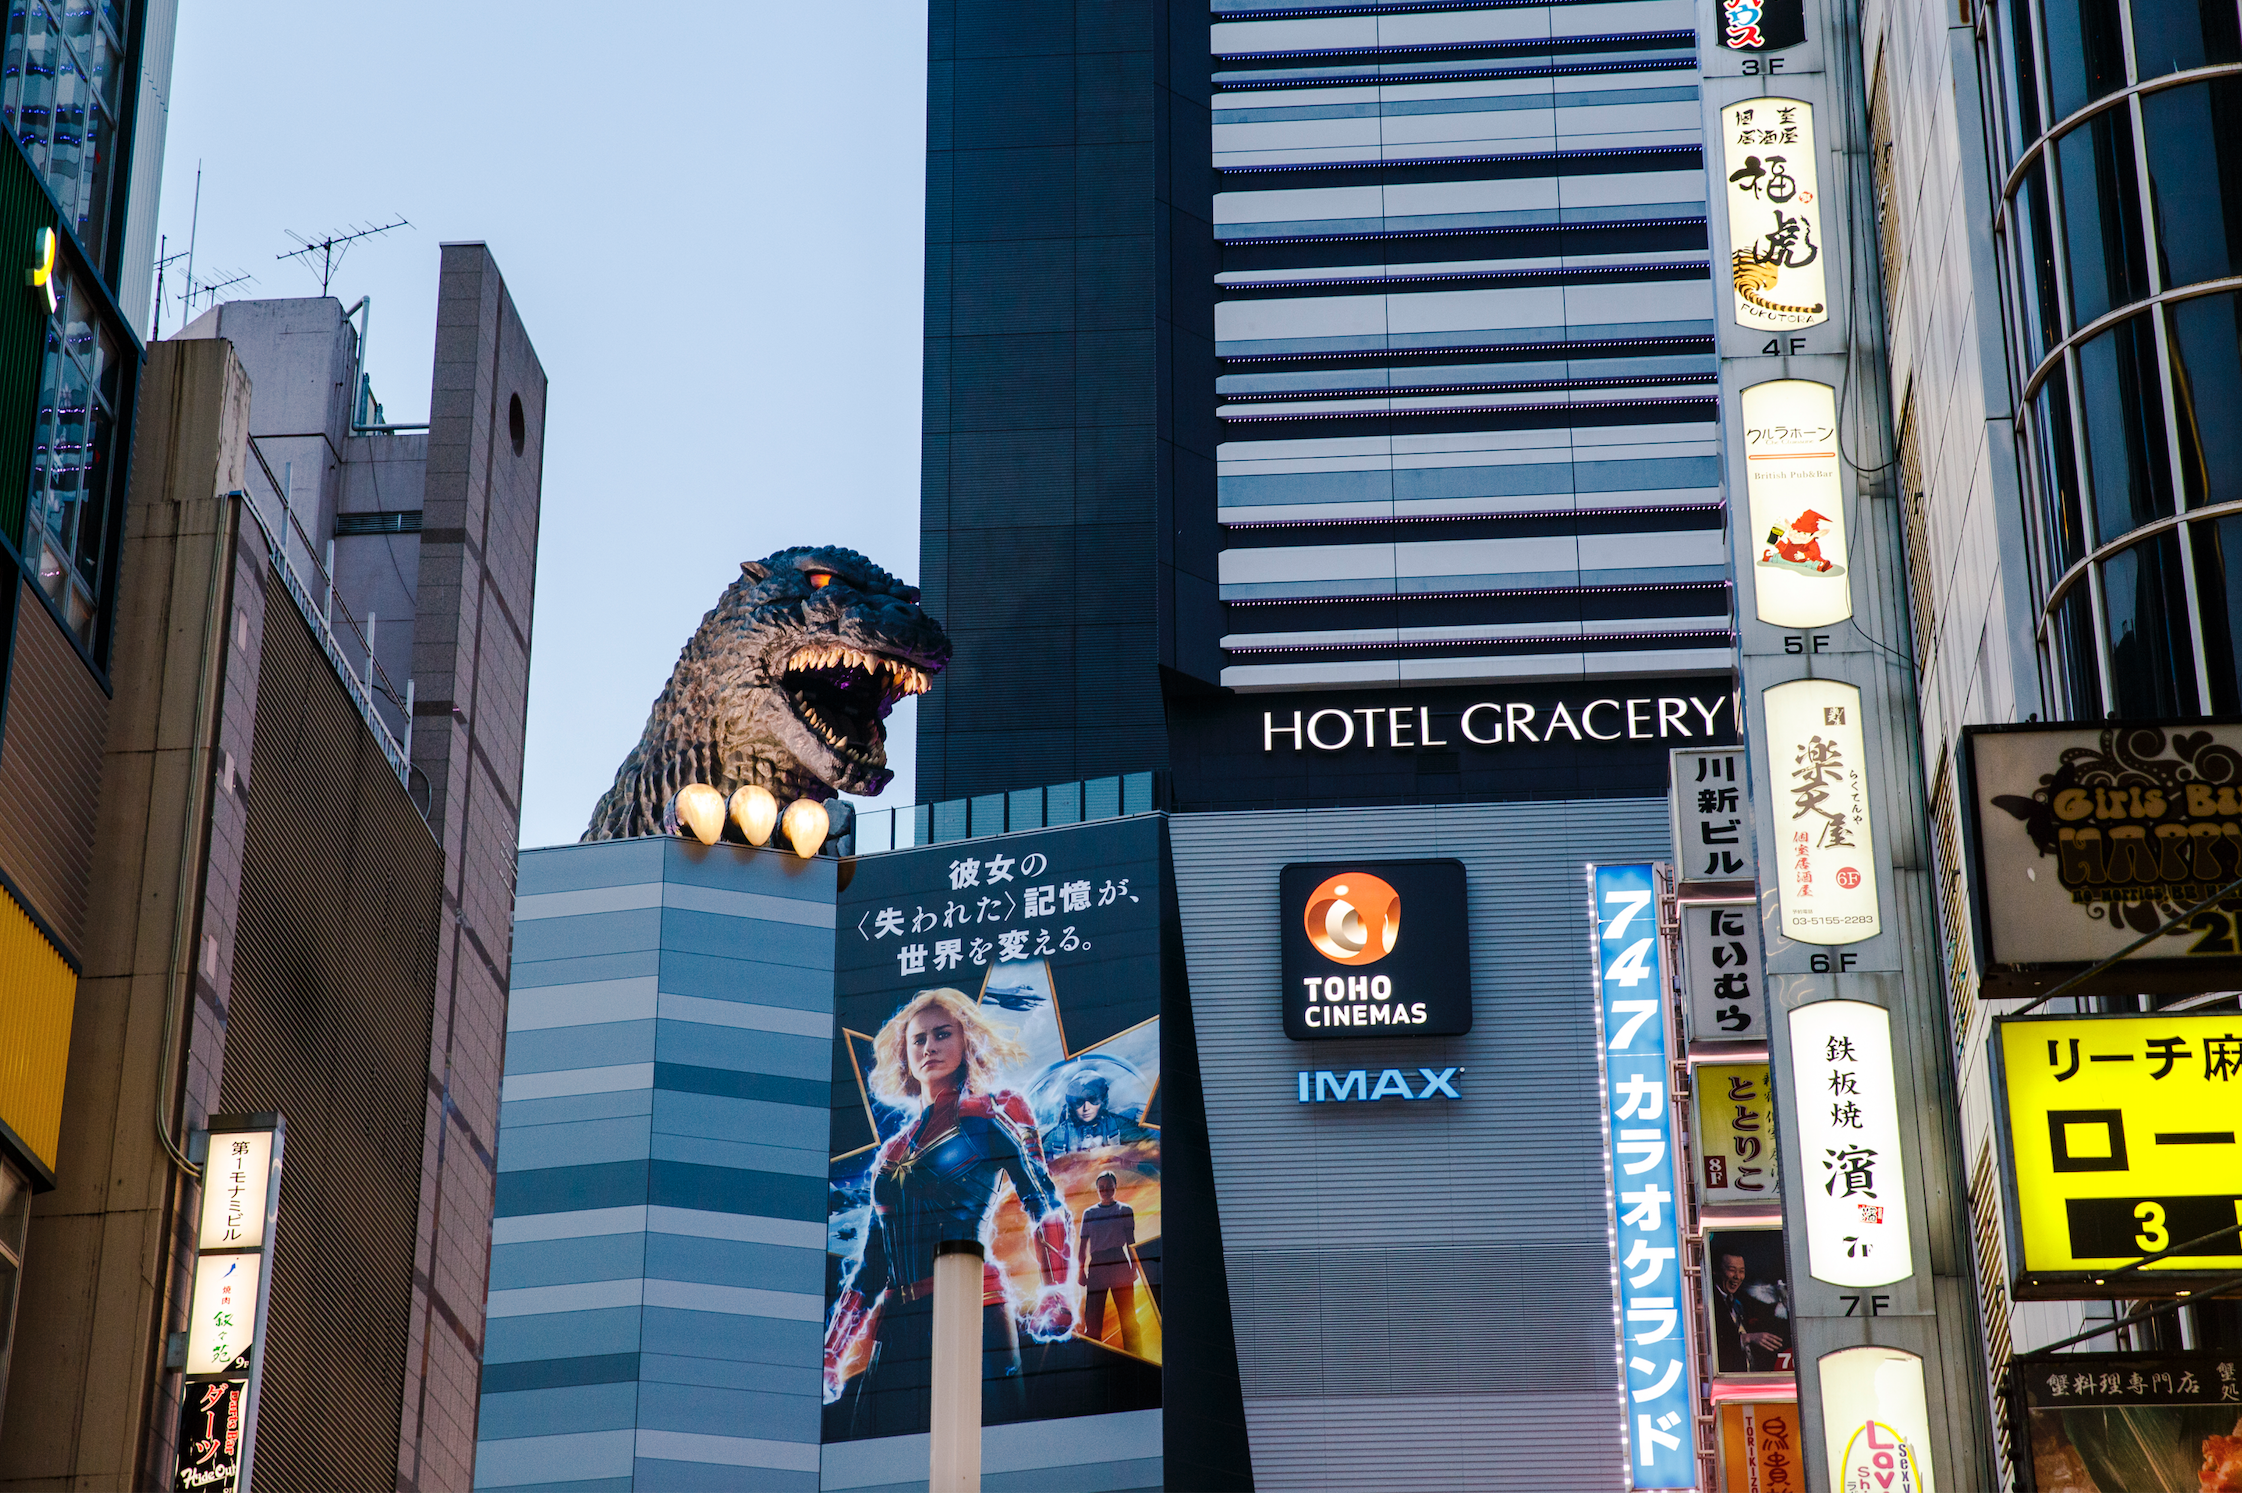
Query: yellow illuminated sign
[2122, 1140]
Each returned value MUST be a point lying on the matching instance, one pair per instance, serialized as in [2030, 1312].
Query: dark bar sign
[210, 1435]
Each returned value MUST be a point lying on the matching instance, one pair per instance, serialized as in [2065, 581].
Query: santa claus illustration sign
[1799, 571]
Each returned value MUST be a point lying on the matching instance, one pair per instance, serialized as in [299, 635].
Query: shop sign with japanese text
[2120, 1140]
[1853, 1186]
[1774, 217]
[1660, 1402]
[1712, 815]
[1876, 1426]
[1818, 799]
[1759, 1447]
[1735, 1133]
[1799, 572]
[1722, 975]
[2133, 1422]
[212, 1431]
[226, 1305]
[2087, 838]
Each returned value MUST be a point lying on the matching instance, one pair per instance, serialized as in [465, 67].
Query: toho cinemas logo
[1353, 966]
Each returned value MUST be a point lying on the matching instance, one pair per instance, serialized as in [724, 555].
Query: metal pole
[954, 1457]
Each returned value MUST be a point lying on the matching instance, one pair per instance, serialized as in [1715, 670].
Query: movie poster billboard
[2131, 1422]
[997, 1077]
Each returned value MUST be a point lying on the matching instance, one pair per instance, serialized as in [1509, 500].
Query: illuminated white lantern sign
[1852, 1182]
[1799, 568]
[1774, 214]
[1825, 851]
[1875, 1424]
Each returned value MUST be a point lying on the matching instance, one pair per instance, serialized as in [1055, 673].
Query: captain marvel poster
[998, 1078]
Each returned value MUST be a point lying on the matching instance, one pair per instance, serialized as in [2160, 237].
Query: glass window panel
[2036, 242]
[2085, 52]
[70, 93]
[2101, 216]
[2072, 638]
[2128, 481]
[2170, 36]
[93, 184]
[2195, 179]
[2025, 74]
[2207, 396]
[2059, 471]
[103, 60]
[2128, 461]
[2218, 583]
[36, 115]
[2152, 661]
[13, 61]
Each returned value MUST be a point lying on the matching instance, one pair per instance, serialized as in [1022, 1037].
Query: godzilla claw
[697, 811]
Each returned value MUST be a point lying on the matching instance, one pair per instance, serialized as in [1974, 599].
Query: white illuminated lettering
[1708, 714]
[1345, 720]
[1417, 1011]
[1588, 719]
[1424, 727]
[1519, 717]
[1358, 987]
[1369, 725]
[1270, 731]
[1314, 983]
[1315, 1016]
[1560, 718]
[1473, 737]
[1335, 988]
[1381, 988]
[1672, 712]
[1397, 721]
[1632, 722]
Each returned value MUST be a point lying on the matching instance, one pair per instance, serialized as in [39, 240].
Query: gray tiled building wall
[1422, 1292]
[657, 1266]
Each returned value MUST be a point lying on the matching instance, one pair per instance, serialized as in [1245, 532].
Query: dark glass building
[2118, 158]
[1308, 350]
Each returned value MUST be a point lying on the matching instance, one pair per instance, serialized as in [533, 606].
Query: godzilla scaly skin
[787, 683]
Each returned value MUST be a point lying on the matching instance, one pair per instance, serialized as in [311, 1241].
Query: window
[2170, 36]
[2152, 663]
[2207, 396]
[60, 76]
[2126, 456]
[2195, 179]
[2101, 215]
[69, 520]
[2218, 584]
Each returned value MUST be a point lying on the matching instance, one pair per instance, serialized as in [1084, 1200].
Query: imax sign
[1328, 1087]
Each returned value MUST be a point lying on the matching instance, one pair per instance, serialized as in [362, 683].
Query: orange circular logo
[1354, 918]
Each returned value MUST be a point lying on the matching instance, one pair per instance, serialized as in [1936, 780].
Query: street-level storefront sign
[2121, 1136]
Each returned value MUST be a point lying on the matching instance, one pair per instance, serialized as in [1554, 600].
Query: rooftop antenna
[209, 289]
[331, 249]
[164, 262]
[194, 226]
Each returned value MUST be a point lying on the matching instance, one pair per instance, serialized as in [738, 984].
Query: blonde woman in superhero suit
[939, 1177]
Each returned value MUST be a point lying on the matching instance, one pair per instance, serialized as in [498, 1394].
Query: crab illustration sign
[1798, 503]
[1773, 220]
[2088, 837]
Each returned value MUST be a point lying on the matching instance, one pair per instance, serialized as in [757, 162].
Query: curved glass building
[2116, 134]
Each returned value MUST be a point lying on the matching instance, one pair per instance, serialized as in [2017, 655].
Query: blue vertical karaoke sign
[1639, 1130]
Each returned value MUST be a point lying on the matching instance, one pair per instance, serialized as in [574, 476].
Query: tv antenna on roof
[209, 289]
[330, 250]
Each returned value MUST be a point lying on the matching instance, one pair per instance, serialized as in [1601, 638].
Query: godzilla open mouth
[842, 695]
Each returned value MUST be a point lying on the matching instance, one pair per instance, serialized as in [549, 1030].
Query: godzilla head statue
[786, 685]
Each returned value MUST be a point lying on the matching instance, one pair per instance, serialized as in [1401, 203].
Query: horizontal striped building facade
[1464, 338]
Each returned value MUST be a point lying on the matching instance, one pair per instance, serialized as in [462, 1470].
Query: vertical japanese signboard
[1712, 812]
[1759, 1447]
[1799, 573]
[1721, 975]
[225, 1343]
[1818, 799]
[1735, 1133]
[1773, 217]
[1876, 1427]
[1854, 1192]
[1654, 1318]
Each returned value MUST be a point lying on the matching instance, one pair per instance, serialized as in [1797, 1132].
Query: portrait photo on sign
[992, 1124]
[1748, 1300]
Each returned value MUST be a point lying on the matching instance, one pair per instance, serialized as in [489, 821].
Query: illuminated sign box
[2084, 838]
[2119, 1138]
[1375, 949]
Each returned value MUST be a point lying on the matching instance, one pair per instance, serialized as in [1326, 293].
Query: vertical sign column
[232, 1281]
[1657, 1388]
[1844, 923]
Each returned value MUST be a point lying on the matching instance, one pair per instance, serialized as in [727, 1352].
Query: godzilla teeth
[906, 680]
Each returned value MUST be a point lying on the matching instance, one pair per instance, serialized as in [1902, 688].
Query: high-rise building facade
[83, 93]
[309, 796]
[1323, 350]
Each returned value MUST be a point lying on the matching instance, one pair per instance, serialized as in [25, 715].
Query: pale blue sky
[710, 218]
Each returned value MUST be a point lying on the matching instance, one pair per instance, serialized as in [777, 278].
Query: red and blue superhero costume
[935, 1178]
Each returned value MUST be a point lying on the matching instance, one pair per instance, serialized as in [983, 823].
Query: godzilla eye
[820, 579]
